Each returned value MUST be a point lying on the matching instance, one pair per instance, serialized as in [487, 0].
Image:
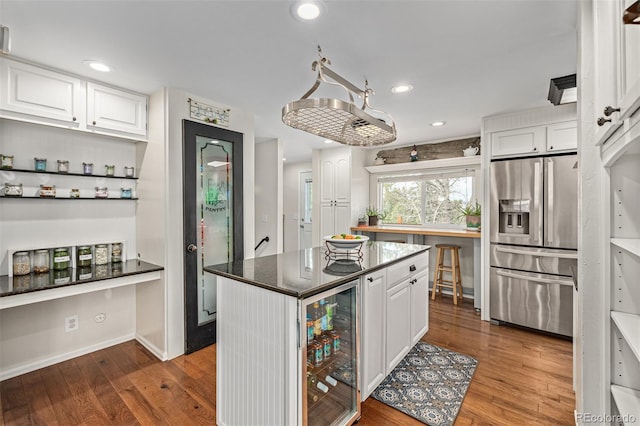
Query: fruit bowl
[346, 243]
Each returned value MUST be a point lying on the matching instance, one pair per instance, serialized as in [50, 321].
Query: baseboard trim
[159, 353]
[36, 365]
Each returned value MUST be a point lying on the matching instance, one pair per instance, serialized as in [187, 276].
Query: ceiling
[465, 59]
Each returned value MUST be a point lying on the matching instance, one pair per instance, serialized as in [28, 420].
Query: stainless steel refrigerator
[534, 241]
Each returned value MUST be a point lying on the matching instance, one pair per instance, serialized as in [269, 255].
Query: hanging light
[336, 119]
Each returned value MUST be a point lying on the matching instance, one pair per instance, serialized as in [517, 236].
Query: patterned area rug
[429, 384]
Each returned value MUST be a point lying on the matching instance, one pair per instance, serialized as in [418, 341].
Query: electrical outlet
[100, 317]
[71, 323]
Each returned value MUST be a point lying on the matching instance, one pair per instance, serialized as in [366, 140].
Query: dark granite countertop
[305, 273]
[10, 286]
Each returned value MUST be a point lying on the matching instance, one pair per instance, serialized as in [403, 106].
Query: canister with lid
[74, 193]
[61, 259]
[21, 263]
[116, 252]
[125, 192]
[13, 189]
[102, 192]
[101, 254]
[41, 261]
[84, 256]
[40, 164]
[63, 166]
[110, 170]
[6, 162]
[128, 171]
[87, 168]
[48, 191]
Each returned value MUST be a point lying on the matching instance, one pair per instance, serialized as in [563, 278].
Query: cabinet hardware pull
[370, 279]
[551, 147]
[608, 110]
[94, 122]
[535, 148]
[412, 268]
[602, 121]
[74, 119]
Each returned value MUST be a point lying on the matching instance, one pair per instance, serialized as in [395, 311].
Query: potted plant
[472, 214]
[373, 214]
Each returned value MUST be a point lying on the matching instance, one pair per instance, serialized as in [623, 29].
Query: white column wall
[291, 204]
[268, 196]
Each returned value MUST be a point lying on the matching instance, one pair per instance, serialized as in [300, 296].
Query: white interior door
[306, 198]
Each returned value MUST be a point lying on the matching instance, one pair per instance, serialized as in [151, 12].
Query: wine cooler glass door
[330, 394]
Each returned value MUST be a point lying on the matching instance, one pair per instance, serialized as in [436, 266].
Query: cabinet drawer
[400, 271]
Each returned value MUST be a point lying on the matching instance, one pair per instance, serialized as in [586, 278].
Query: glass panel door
[213, 221]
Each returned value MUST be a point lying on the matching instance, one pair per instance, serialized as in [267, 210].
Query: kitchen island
[268, 324]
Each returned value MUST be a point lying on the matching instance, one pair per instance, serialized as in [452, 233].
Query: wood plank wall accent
[430, 151]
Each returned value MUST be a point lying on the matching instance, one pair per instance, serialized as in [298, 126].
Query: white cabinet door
[398, 324]
[342, 218]
[628, 62]
[117, 110]
[327, 220]
[562, 136]
[327, 180]
[528, 140]
[342, 180]
[373, 327]
[38, 92]
[419, 306]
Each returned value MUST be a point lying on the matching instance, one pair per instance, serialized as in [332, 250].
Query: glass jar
[21, 283]
[21, 263]
[102, 192]
[13, 189]
[74, 193]
[102, 254]
[48, 191]
[109, 170]
[61, 259]
[116, 268]
[87, 168]
[125, 192]
[41, 261]
[62, 276]
[6, 162]
[40, 164]
[128, 171]
[116, 252]
[63, 166]
[84, 256]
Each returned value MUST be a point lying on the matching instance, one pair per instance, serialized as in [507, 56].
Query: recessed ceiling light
[217, 163]
[438, 123]
[328, 141]
[98, 66]
[402, 88]
[307, 10]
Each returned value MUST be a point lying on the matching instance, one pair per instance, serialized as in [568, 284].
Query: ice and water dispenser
[514, 217]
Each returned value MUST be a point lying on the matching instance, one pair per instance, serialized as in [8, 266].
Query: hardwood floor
[522, 378]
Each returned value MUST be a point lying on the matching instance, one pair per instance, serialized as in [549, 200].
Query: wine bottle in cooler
[314, 383]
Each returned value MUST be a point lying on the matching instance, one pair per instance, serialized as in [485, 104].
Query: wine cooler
[329, 341]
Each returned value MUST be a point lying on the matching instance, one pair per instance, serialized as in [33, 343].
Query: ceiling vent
[337, 119]
[563, 90]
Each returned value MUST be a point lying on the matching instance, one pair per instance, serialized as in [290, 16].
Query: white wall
[291, 204]
[269, 198]
[33, 336]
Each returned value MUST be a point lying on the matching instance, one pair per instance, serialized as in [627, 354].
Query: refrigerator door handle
[536, 253]
[560, 281]
[537, 189]
[550, 198]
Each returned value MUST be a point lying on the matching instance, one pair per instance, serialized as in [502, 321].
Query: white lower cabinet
[335, 218]
[395, 317]
[374, 293]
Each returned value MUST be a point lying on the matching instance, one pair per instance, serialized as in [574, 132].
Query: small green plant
[372, 211]
[470, 210]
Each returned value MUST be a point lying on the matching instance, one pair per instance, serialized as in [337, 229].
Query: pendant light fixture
[336, 119]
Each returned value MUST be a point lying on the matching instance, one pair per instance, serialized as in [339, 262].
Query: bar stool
[438, 279]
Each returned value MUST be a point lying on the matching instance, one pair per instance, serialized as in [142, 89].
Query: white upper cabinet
[528, 140]
[37, 92]
[617, 69]
[335, 184]
[117, 110]
[562, 136]
[38, 95]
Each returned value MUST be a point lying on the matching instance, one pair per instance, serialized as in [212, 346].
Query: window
[426, 199]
